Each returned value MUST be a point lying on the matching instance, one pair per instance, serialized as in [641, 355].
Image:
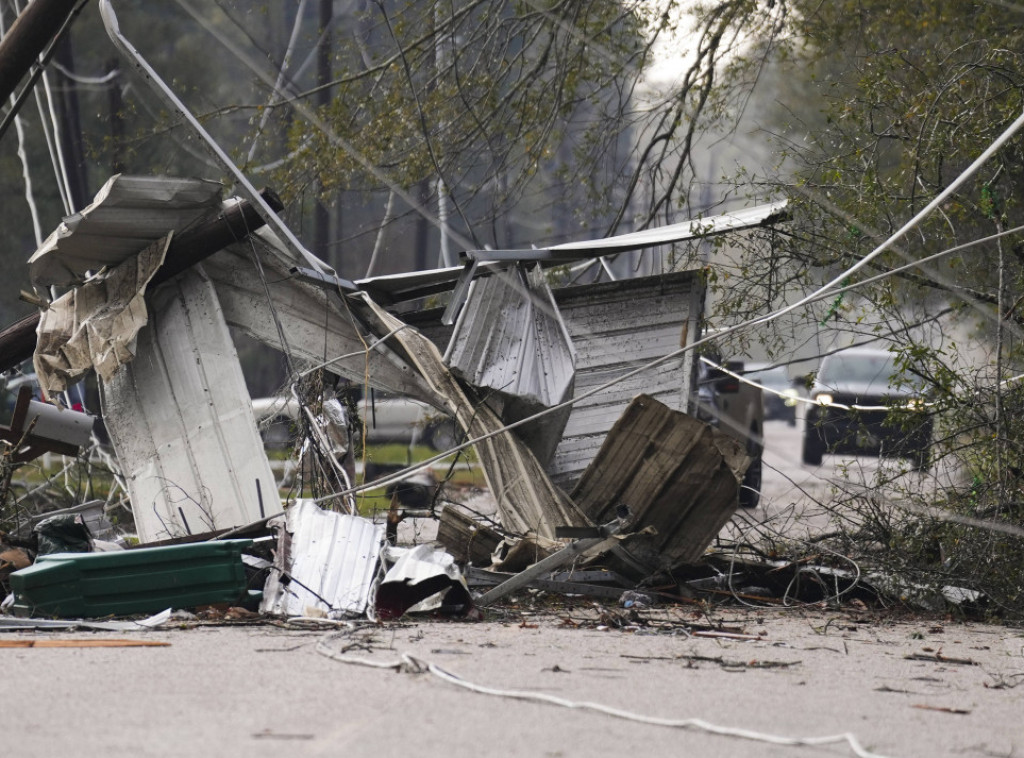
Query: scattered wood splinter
[83, 643]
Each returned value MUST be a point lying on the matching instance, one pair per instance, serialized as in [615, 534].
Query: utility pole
[441, 43]
[28, 37]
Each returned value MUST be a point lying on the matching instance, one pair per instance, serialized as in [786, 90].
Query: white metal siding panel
[617, 327]
[509, 338]
[664, 235]
[313, 325]
[331, 556]
[181, 421]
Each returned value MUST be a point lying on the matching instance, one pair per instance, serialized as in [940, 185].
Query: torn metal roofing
[96, 325]
[326, 561]
[526, 498]
[423, 578]
[396, 288]
[393, 288]
[509, 338]
[679, 476]
[663, 235]
[127, 215]
[272, 306]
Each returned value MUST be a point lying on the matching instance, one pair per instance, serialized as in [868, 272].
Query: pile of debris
[573, 440]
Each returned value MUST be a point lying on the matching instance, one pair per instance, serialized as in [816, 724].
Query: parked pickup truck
[736, 408]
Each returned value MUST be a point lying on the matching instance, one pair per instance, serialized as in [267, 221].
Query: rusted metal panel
[466, 538]
[182, 424]
[617, 327]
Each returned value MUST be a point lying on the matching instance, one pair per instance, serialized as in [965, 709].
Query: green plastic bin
[127, 582]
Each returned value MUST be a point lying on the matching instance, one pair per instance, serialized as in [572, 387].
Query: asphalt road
[798, 500]
[898, 688]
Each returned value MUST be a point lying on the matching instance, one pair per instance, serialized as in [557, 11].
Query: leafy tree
[878, 108]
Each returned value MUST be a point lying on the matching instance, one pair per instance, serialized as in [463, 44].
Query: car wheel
[813, 449]
[441, 435]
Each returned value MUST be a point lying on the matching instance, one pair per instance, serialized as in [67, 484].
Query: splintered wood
[678, 476]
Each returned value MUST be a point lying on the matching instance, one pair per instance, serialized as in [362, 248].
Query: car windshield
[858, 367]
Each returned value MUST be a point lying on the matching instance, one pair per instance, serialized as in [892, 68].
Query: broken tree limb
[18, 341]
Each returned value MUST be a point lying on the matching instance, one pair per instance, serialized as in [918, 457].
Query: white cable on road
[411, 664]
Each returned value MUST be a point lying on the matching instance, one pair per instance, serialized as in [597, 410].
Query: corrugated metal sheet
[182, 424]
[126, 582]
[679, 476]
[326, 556]
[648, 238]
[616, 327]
[127, 214]
[509, 338]
[395, 288]
[663, 235]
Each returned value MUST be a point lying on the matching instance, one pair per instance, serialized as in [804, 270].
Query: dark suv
[863, 405]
